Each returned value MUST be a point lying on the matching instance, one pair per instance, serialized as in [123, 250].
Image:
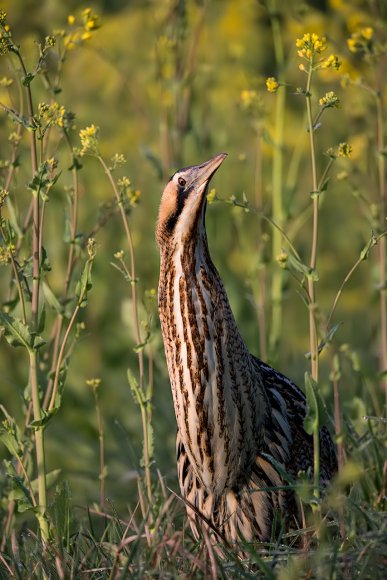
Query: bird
[240, 435]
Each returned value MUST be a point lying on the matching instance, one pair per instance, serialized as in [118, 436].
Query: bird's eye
[181, 181]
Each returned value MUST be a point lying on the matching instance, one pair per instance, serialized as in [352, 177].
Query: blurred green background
[164, 82]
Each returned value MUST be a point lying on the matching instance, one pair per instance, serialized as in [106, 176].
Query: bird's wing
[300, 456]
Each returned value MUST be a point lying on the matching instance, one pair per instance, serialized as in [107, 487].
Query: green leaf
[316, 413]
[20, 493]
[311, 421]
[11, 443]
[15, 331]
[60, 512]
[67, 237]
[51, 479]
[84, 285]
[27, 79]
[135, 389]
[45, 262]
[369, 245]
[139, 347]
[17, 118]
[42, 319]
[52, 299]
[324, 186]
[45, 419]
[296, 265]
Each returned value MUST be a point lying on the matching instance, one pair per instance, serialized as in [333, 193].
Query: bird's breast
[213, 389]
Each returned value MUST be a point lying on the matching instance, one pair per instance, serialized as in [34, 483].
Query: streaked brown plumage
[237, 417]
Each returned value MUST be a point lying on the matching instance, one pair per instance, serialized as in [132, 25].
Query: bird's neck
[219, 400]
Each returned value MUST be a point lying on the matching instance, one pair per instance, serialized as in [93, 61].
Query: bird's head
[183, 201]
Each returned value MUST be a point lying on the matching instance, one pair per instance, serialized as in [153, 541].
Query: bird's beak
[203, 173]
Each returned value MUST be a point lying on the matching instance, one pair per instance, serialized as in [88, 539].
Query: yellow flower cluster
[310, 45]
[81, 32]
[211, 196]
[89, 140]
[3, 16]
[330, 99]
[5, 254]
[119, 255]
[344, 150]
[91, 248]
[3, 196]
[53, 114]
[90, 20]
[282, 260]
[248, 97]
[49, 41]
[117, 160]
[93, 383]
[331, 62]
[359, 41]
[4, 46]
[5, 82]
[132, 195]
[272, 84]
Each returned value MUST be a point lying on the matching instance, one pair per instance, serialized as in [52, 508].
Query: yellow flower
[248, 97]
[119, 255]
[53, 114]
[361, 41]
[117, 160]
[211, 195]
[344, 150]
[4, 46]
[367, 33]
[91, 248]
[50, 41]
[282, 260]
[3, 196]
[330, 99]
[3, 16]
[310, 44]
[93, 383]
[331, 62]
[90, 20]
[124, 182]
[5, 254]
[272, 84]
[71, 19]
[89, 140]
[5, 82]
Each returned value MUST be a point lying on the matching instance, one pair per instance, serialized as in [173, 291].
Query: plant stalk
[277, 185]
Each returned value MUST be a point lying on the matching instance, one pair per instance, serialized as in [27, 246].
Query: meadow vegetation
[98, 107]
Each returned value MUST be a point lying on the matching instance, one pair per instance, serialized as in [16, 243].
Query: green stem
[383, 244]
[39, 446]
[313, 338]
[133, 285]
[101, 438]
[57, 329]
[313, 258]
[34, 357]
[277, 183]
[64, 342]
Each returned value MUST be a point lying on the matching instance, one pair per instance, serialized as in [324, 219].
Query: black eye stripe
[181, 199]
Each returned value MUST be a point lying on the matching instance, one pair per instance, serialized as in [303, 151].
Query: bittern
[240, 422]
